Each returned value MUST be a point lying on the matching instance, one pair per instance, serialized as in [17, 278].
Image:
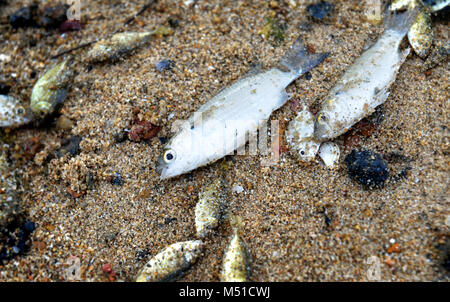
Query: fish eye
[169, 156]
[322, 118]
[20, 110]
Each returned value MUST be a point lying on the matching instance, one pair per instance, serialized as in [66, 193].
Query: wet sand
[282, 206]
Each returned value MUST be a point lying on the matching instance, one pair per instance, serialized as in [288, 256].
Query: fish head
[322, 128]
[177, 157]
[13, 114]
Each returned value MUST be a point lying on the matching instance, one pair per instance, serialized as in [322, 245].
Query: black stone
[23, 17]
[117, 179]
[53, 16]
[367, 168]
[71, 146]
[4, 88]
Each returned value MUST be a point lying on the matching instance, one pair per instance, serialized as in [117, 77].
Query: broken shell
[171, 262]
[300, 136]
[51, 89]
[210, 208]
[436, 5]
[12, 113]
[329, 152]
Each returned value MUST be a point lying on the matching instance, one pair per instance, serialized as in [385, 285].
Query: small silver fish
[51, 89]
[221, 125]
[12, 113]
[236, 260]
[171, 262]
[364, 86]
[210, 207]
[437, 5]
[121, 44]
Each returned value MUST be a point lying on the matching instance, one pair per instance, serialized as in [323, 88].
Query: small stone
[4, 89]
[120, 137]
[64, 123]
[142, 130]
[395, 248]
[23, 17]
[53, 16]
[117, 179]
[164, 65]
[367, 168]
[70, 25]
[320, 10]
[70, 146]
[29, 226]
[237, 189]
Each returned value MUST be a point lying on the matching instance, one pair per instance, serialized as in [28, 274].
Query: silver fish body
[364, 86]
[221, 125]
[12, 113]
[171, 262]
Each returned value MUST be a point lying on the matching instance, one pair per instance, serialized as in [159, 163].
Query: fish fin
[299, 61]
[400, 21]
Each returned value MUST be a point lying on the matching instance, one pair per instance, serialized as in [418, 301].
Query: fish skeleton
[221, 125]
[364, 86]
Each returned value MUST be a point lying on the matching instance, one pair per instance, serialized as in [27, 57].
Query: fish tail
[299, 60]
[400, 21]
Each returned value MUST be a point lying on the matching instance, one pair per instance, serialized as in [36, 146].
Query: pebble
[70, 25]
[164, 65]
[53, 16]
[70, 146]
[4, 88]
[23, 17]
[320, 10]
[237, 189]
[367, 168]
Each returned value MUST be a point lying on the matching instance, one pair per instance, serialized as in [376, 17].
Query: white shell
[329, 152]
[300, 136]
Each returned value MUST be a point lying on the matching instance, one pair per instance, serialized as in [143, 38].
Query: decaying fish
[221, 125]
[171, 262]
[12, 113]
[236, 266]
[122, 43]
[300, 136]
[210, 207]
[329, 152]
[437, 5]
[364, 86]
[420, 35]
[51, 89]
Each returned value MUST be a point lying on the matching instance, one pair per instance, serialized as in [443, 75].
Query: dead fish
[236, 259]
[12, 113]
[420, 35]
[210, 207]
[364, 86]
[221, 125]
[329, 152]
[171, 262]
[51, 89]
[122, 43]
[300, 136]
[436, 5]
